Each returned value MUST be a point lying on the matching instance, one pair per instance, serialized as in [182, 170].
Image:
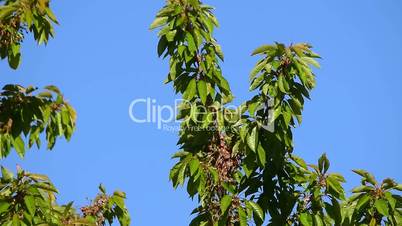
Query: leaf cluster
[30, 199]
[239, 163]
[18, 17]
[26, 114]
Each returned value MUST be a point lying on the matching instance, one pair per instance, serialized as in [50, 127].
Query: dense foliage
[27, 116]
[30, 199]
[19, 17]
[240, 163]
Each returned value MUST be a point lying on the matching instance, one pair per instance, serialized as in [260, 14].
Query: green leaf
[16, 220]
[158, 22]
[261, 155]
[120, 194]
[391, 200]
[51, 15]
[37, 177]
[257, 210]
[382, 207]
[323, 163]
[182, 171]
[102, 188]
[3, 206]
[53, 88]
[281, 84]
[202, 90]
[119, 201]
[171, 35]
[162, 45]
[335, 185]
[191, 43]
[45, 95]
[360, 172]
[14, 60]
[46, 187]
[306, 219]
[7, 175]
[252, 139]
[30, 204]
[318, 220]
[180, 154]
[299, 161]
[297, 109]
[287, 116]
[214, 173]
[191, 90]
[252, 106]
[19, 146]
[369, 177]
[263, 49]
[257, 69]
[388, 183]
[226, 201]
[362, 202]
[256, 83]
[373, 222]
[311, 61]
[242, 216]
[334, 211]
[59, 124]
[362, 188]
[218, 50]
[194, 165]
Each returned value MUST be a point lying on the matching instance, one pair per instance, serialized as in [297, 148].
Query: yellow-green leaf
[159, 21]
[225, 203]
[382, 207]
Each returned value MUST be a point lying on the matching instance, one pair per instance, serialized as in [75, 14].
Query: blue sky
[103, 57]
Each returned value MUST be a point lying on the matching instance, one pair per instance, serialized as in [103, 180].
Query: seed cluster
[226, 164]
[10, 32]
[221, 157]
[96, 209]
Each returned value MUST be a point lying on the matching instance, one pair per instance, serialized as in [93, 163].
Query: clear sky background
[103, 57]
